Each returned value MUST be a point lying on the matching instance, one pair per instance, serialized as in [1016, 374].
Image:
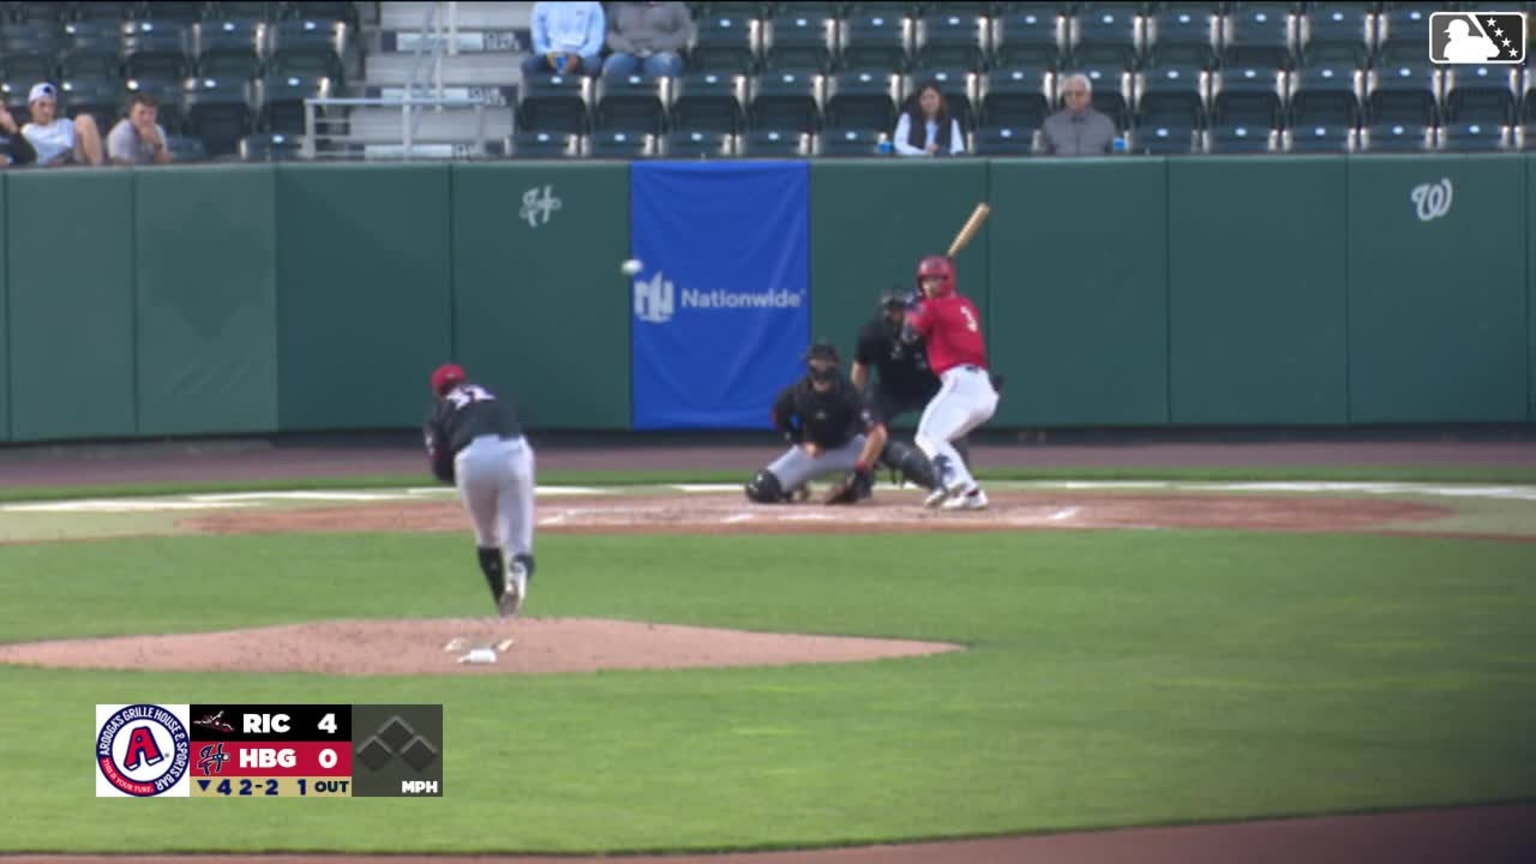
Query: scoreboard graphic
[269, 751]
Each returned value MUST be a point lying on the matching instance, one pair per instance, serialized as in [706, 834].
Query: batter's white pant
[966, 399]
[494, 476]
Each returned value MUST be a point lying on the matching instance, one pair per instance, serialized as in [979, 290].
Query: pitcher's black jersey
[464, 414]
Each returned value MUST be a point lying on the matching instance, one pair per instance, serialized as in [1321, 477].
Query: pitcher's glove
[853, 488]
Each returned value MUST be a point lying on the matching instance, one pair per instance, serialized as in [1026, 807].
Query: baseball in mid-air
[631, 266]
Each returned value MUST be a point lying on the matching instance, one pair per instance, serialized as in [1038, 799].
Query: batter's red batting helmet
[937, 267]
[445, 376]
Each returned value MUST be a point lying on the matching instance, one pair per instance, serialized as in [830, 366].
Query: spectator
[138, 139]
[1077, 129]
[652, 35]
[58, 140]
[925, 127]
[14, 146]
[567, 39]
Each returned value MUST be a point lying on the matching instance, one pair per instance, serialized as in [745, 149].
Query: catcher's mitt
[853, 488]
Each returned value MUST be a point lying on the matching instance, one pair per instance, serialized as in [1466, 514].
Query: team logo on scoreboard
[211, 758]
[142, 751]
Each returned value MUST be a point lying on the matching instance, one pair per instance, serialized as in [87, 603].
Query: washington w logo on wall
[1432, 200]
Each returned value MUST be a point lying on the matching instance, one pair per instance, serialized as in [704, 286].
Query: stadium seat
[269, 147]
[784, 101]
[1396, 138]
[950, 40]
[554, 103]
[1247, 96]
[709, 102]
[1105, 36]
[1324, 96]
[29, 47]
[250, 11]
[1034, 37]
[1404, 94]
[874, 42]
[1019, 98]
[1525, 136]
[307, 46]
[1319, 139]
[682, 144]
[173, 11]
[101, 11]
[797, 42]
[1172, 97]
[186, 149]
[635, 105]
[1241, 139]
[1182, 35]
[959, 89]
[320, 10]
[45, 14]
[846, 142]
[861, 100]
[230, 48]
[780, 143]
[219, 112]
[1334, 33]
[28, 68]
[1005, 141]
[92, 49]
[1162, 140]
[1485, 95]
[102, 98]
[156, 49]
[545, 145]
[1470, 137]
[610, 144]
[282, 100]
[1258, 34]
[1400, 33]
[724, 43]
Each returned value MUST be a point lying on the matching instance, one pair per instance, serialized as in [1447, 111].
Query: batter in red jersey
[957, 353]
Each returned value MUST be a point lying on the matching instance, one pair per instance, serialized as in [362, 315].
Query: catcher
[830, 429]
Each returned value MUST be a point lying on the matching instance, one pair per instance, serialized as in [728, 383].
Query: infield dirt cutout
[543, 646]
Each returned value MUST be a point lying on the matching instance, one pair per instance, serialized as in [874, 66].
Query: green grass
[1111, 679]
[1324, 473]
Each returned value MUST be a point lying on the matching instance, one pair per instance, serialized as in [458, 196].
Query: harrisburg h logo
[142, 751]
[211, 759]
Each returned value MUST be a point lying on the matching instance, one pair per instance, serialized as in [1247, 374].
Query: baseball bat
[969, 229]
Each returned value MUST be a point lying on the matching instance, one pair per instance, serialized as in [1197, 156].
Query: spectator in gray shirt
[651, 36]
[1078, 130]
[139, 139]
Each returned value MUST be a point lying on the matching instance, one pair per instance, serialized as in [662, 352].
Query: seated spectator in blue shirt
[925, 127]
[648, 35]
[567, 39]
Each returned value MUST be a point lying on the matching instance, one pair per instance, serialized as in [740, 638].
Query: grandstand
[281, 80]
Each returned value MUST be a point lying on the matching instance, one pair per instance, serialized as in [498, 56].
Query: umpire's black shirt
[904, 372]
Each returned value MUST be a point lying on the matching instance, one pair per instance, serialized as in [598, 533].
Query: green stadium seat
[696, 144]
[156, 49]
[1319, 139]
[1404, 94]
[873, 41]
[724, 43]
[1473, 137]
[545, 145]
[1485, 95]
[611, 144]
[709, 102]
[784, 100]
[219, 112]
[1324, 95]
[1182, 34]
[281, 98]
[1397, 138]
[554, 103]
[861, 100]
[950, 40]
[1335, 33]
[1018, 98]
[1034, 37]
[836, 143]
[1105, 36]
[229, 48]
[1259, 35]
[634, 105]
[1241, 139]
[774, 143]
[798, 42]
[1005, 141]
[270, 147]
[1248, 96]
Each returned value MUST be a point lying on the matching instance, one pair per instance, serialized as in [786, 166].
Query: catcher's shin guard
[490, 565]
[910, 463]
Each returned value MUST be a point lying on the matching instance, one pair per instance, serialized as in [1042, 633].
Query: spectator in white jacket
[926, 127]
[567, 39]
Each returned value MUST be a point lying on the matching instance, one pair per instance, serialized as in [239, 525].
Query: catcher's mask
[936, 276]
[821, 363]
[446, 377]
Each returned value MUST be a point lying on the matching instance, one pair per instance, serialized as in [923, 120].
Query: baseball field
[1162, 653]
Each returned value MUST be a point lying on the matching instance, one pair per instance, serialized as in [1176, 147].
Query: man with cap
[59, 140]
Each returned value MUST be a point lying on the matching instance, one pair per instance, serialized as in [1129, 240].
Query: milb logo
[1475, 38]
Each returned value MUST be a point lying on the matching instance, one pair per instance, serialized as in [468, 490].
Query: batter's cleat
[515, 591]
[938, 497]
[975, 499]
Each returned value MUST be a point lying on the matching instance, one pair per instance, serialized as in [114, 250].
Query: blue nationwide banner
[722, 302]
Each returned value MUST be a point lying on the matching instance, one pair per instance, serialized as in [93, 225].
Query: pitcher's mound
[434, 646]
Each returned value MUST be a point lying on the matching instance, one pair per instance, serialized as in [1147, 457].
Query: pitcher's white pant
[966, 399]
[495, 481]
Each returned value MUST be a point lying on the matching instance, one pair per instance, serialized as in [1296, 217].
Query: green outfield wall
[1117, 292]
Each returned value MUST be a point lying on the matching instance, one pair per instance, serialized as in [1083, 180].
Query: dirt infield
[1480, 834]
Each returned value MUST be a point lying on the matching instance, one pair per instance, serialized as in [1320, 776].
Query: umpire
[905, 382]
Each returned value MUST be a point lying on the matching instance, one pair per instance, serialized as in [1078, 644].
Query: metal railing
[439, 29]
